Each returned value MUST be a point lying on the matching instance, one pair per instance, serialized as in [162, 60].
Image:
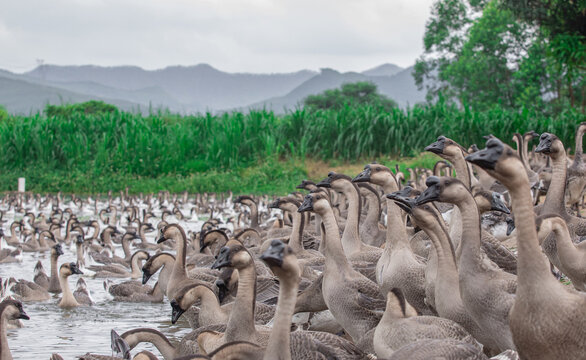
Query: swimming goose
[353, 299]
[7, 255]
[82, 294]
[68, 299]
[487, 292]
[558, 315]
[119, 271]
[134, 291]
[9, 310]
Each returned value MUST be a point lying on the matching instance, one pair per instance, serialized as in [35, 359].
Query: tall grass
[161, 144]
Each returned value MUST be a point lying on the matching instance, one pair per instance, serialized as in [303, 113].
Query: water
[74, 332]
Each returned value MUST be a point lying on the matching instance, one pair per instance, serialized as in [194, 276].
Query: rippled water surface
[74, 332]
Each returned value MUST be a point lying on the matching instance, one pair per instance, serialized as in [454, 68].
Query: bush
[88, 107]
[350, 94]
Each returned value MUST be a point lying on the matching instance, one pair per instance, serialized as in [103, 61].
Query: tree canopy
[349, 94]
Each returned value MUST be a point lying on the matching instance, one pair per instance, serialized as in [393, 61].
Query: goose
[254, 216]
[539, 297]
[371, 231]
[487, 292]
[401, 326]
[353, 299]
[7, 255]
[82, 294]
[353, 246]
[118, 271]
[572, 256]
[52, 283]
[133, 291]
[445, 289]
[68, 300]
[446, 349]
[210, 310]
[163, 261]
[10, 309]
[27, 291]
[453, 152]
[398, 267]
[551, 145]
[577, 173]
[179, 273]
[13, 239]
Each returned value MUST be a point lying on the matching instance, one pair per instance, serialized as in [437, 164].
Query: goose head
[545, 224]
[245, 200]
[551, 145]
[187, 296]
[501, 162]
[490, 201]
[444, 189]
[289, 203]
[153, 264]
[68, 269]
[335, 181]
[233, 254]
[12, 310]
[282, 260]
[306, 185]
[317, 202]
[57, 250]
[211, 237]
[171, 232]
[376, 174]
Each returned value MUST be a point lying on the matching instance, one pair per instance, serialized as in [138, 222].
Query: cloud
[232, 35]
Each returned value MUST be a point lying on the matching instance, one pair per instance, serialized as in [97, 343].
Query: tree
[358, 93]
[88, 107]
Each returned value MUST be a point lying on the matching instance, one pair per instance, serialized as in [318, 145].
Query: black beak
[496, 204]
[545, 142]
[161, 239]
[75, 269]
[326, 183]
[403, 202]
[273, 256]
[176, 312]
[438, 146]
[222, 290]
[300, 186]
[146, 275]
[223, 259]
[119, 345]
[487, 157]
[202, 244]
[23, 315]
[432, 193]
[307, 204]
[274, 204]
[364, 176]
[510, 226]
[58, 249]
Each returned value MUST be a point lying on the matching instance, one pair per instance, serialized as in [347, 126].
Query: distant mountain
[383, 70]
[188, 89]
[24, 97]
[196, 88]
[399, 87]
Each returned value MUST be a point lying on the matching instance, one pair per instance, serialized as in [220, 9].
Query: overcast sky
[231, 35]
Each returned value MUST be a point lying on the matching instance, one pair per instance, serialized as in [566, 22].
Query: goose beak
[364, 176]
[23, 315]
[405, 203]
[432, 193]
[75, 269]
[510, 226]
[223, 259]
[273, 256]
[437, 147]
[274, 204]
[300, 186]
[496, 204]
[307, 204]
[202, 244]
[325, 183]
[222, 290]
[176, 312]
[146, 275]
[161, 239]
[59, 249]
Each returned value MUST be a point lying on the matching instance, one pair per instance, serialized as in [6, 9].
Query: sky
[258, 36]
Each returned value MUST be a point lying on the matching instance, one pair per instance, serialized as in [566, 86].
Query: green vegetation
[511, 53]
[351, 94]
[88, 107]
[254, 152]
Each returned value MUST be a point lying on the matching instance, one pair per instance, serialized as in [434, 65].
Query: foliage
[479, 53]
[359, 93]
[3, 114]
[88, 107]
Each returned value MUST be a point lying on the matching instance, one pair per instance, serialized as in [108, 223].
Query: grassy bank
[254, 152]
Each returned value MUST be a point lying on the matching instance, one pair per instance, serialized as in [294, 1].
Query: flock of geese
[480, 258]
